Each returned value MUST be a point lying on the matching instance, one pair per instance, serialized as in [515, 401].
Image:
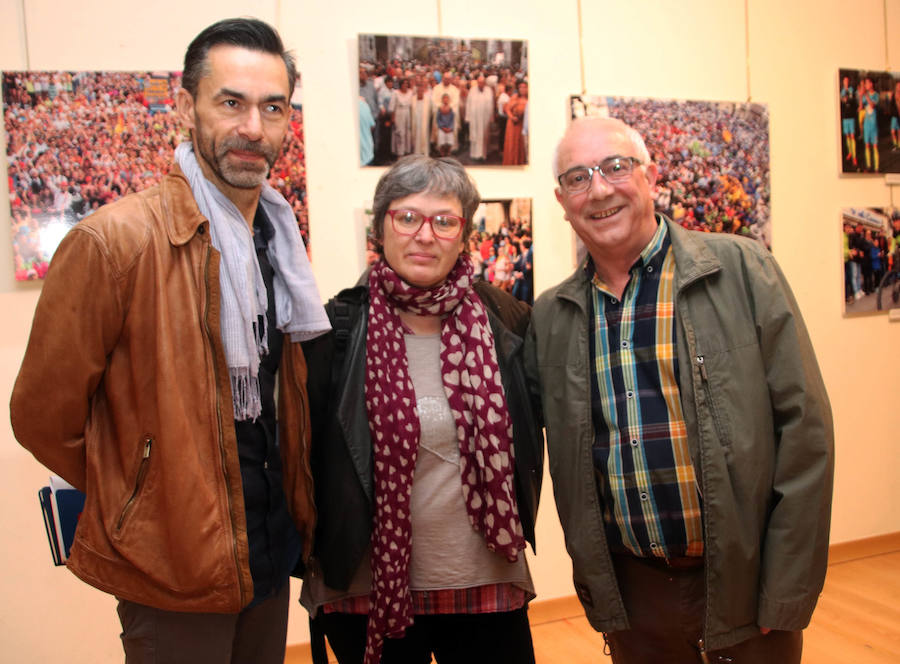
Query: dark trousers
[665, 611]
[458, 638]
[256, 635]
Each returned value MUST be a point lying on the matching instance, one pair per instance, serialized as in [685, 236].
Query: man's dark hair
[249, 33]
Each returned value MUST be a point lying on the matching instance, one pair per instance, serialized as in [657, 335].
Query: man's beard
[241, 175]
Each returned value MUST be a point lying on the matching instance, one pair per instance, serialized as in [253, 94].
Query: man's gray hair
[632, 134]
[416, 173]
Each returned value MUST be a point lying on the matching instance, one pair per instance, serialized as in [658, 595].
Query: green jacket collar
[693, 261]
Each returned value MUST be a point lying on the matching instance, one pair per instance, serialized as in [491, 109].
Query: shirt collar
[656, 244]
[263, 230]
[653, 250]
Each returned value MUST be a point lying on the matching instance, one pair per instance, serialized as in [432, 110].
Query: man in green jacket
[689, 434]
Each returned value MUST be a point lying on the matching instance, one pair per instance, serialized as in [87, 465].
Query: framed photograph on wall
[871, 259]
[465, 98]
[713, 158]
[870, 121]
[501, 245]
[79, 140]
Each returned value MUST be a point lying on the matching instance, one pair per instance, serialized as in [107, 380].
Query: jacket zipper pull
[606, 649]
[700, 644]
[700, 363]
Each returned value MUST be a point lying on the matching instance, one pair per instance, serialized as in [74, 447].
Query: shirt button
[649, 268]
[630, 394]
[634, 443]
[654, 545]
[614, 300]
[624, 344]
[644, 495]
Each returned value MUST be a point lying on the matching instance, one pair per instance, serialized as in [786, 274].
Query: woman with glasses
[426, 453]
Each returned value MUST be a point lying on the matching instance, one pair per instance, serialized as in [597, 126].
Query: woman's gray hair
[416, 173]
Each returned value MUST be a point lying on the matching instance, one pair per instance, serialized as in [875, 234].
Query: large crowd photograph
[713, 159]
[870, 121]
[501, 246]
[78, 140]
[443, 96]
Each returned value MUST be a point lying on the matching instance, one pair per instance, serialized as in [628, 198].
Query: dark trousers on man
[665, 611]
[256, 635]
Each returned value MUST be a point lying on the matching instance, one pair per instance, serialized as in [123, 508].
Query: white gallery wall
[694, 49]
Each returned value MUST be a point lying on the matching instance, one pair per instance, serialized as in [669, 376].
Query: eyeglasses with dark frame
[444, 226]
[612, 169]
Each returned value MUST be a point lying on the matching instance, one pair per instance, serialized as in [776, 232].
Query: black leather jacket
[341, 454]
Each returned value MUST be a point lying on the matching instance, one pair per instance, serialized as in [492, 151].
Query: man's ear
[184, 107]
[651, 171]
[559, 197]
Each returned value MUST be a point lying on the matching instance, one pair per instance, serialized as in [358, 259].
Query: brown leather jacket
[125, 393]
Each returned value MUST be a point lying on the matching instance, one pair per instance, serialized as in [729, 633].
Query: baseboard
[863, 548]
[560, 608]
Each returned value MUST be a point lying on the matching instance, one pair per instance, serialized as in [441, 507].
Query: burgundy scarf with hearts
[474, 391]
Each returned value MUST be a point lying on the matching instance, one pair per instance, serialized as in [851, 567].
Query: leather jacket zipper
[138, 482]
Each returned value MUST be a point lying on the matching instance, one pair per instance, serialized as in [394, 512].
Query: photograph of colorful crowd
[871, 252]
[465, 98]
[713, 159]
[79, 140]
[870, 121]
[500, 246]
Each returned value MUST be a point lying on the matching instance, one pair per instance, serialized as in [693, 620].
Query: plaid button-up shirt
[651, 499]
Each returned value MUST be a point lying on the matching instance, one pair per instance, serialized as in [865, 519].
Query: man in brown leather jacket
[149, 378]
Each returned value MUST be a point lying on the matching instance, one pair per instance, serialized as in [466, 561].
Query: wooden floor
[857, 619]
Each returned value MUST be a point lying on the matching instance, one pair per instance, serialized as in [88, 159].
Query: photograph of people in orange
[79, 140]
[443, 96]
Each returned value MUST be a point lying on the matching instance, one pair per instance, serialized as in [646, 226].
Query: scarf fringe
[245, 394]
